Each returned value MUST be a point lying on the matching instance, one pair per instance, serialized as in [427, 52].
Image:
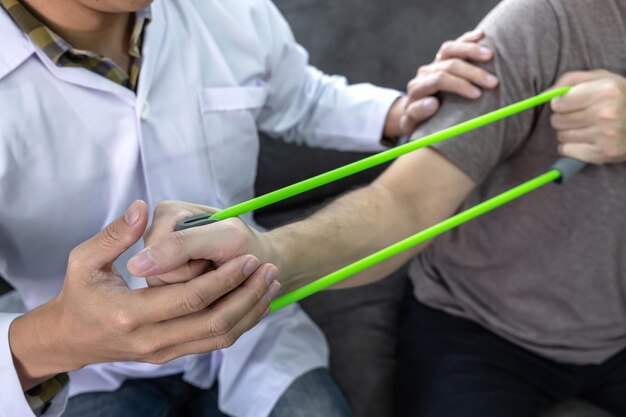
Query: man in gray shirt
[520, 308]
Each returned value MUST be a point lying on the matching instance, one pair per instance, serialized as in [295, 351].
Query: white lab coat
[76, 149]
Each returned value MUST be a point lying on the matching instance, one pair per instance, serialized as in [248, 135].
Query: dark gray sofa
[383, 42]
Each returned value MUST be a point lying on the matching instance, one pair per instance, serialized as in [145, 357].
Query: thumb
[103, 249]
[584, 85]
[577, 77]
[417, 112]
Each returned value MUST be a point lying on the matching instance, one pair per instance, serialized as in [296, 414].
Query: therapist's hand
[590, 120]
[97, 318]
[450, 72]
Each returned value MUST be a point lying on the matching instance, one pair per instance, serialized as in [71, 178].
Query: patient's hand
[449, 72]
[178, 256]
[590, 120]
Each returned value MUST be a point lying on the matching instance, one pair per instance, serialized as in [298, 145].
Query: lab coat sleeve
[307, 106]
[13, 402]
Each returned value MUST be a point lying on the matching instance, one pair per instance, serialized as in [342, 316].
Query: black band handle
[568, 167]
[195, 221]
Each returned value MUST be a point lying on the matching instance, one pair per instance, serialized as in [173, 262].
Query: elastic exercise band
[386, 156]
[410, 242]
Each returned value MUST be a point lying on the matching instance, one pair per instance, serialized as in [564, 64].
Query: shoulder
[538, 15]
[530, 16]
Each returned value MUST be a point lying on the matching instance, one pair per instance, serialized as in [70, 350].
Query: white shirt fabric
[76, 149]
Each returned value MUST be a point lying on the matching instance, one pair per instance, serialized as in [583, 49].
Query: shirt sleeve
[13, 401]
[525, 37]
[307, 106]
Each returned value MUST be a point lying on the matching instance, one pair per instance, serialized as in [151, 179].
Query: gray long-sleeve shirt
[548, 271]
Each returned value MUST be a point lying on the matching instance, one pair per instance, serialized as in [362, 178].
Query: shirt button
[145, 111]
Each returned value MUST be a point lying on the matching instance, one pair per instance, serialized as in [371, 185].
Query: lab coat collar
[16, 47]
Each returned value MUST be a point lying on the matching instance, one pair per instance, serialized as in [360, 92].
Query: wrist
[392, 128]
[38, 351]
[277, 251]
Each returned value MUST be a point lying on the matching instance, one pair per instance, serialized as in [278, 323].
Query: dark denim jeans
[452, 367]
[314, 394]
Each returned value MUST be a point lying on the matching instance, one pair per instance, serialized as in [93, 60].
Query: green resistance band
[372, 161]
[564, 169]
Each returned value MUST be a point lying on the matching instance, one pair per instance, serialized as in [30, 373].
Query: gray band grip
[568, 167]
[194, 221]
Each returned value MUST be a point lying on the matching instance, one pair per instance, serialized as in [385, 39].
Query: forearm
[416, 192]
[350, 228]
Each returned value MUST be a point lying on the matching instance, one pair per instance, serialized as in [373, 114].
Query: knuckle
[164, 206]
[423, 70]
[611, 152]
[410, 88]
[232, 281]
[438, 76]
[262, 308]
[477, 73]
[124, 322]
[192, 302]
[236, 232]
[160, 358]
[613, 134]
[226, 340]
[446, 47]
[452, 64]
[75, 260]
[257, 291]
[610, 113]
[219, 326]
[610, 89]
[111, 235]
[156, 360]
[231, 225]
[143, 349]
[472, 47]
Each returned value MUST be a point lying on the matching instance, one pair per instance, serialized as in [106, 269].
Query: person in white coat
[103, 103]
